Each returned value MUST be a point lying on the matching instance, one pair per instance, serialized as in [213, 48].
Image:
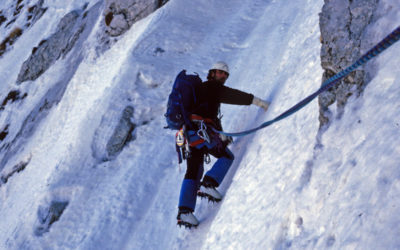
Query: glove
[260, 103]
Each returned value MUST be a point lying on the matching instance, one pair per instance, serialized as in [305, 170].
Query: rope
[376, 50]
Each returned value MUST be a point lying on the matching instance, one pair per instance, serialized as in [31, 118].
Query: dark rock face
[10, 40]
[13, 95]
[2, 19]
[50, 50]
[342, 25]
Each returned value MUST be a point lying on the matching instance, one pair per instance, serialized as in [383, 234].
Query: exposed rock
[47, 215]
[122, 133]
[108, 18]
[17, 138]
[16, 169]
[10, 39]
[12, 96]
[51, 49]
[4, 132]
[35, 13]
[342, 25]
[118, 24]
[11, 22]
[112, 135]
[121, 14]
[18, 7]
[2, 19]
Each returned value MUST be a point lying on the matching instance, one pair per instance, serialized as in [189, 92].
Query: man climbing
[203, 140]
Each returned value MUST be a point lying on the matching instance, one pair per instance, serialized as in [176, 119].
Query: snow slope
[281, 192]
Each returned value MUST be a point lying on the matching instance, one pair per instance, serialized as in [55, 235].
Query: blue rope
[376, 50]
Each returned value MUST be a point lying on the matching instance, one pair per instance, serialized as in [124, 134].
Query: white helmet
[221, 66]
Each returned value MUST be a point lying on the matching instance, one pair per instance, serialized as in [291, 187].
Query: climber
[212, 93]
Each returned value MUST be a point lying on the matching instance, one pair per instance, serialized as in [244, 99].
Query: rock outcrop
[120, 15]
[342, 25]
[113, 134]
[33, 14]
[50, 50]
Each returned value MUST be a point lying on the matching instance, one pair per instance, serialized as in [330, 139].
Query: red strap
[195, 143]
[194, 117]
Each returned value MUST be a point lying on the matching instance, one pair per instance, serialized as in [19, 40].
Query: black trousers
[195, 164]
[194, 173]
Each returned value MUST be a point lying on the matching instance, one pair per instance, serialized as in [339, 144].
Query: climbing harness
[376, 50]
[199, 138]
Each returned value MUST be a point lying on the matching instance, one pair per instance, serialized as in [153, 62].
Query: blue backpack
[182, 101]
